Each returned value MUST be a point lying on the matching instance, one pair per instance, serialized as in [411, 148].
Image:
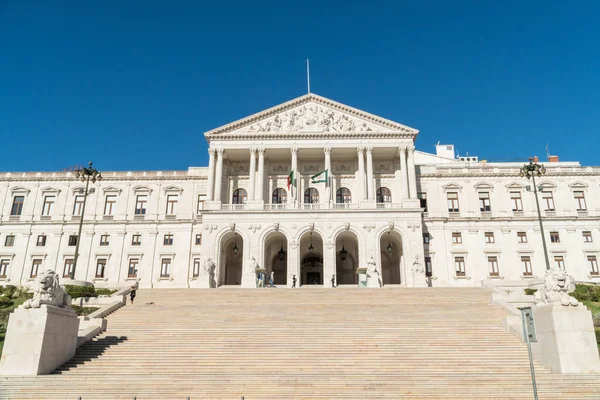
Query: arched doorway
[390, 245]
[231, 259]
[276, 257]
[346, 258]
[311, 259]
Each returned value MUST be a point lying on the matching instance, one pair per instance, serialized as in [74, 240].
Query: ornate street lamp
[85, 175]
[281, 253]
[310, 247]
[343, 253]
[530, 171]
[389, 246]
[235, 246]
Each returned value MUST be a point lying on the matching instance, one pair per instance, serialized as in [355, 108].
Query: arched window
[279, 196]
[311, 196]
[343, 195]
[384, 195]
[239, 196]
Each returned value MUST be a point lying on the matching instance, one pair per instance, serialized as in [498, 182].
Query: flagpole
[308, 74]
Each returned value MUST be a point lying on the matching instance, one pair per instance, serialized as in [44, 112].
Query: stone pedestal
[39, 340]
[373, 279]
[362, 277]
[566, 342]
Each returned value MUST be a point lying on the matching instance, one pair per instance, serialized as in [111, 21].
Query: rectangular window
[489, 237]
[459, 263]
[456, 238]
[452, 201]
[587, 236]
[140, 204]
[517, 202]
[172, 204]
[560, 262]
[426, 237]
[78, 206]
[548, 201]
[35, 267]
[133, 268]
[165, 268]
[526, 261]
[68, 268]
[522, 237]
[110, 204]
[198, 239]
[168, 240]
[196, 270]
[9, 241]
[593, 262]
[41, 240]
[104, 240]
[136, 240]
[493, 266]
[100, 267]
[428, 267]
[73, 240]
[580, 199]
[554, 237]
[422, 200]
[48, 205]
[4, 268]
[17, 206]
[484, 202]
[200, 204]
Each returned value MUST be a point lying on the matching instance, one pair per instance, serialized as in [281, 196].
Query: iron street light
[85, 175]
[530, 171]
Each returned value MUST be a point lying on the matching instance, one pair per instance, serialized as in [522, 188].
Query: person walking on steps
[333, 281]
[132, 293]
[294, 282]
[272, 279]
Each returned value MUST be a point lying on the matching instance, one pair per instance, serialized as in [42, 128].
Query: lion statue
[557, 285]
[46, 290]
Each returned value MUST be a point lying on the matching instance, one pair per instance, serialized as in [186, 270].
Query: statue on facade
[209, 266]
[371, 266]
[557, 285]
[417, 265]
[46, 290]
[253, 265]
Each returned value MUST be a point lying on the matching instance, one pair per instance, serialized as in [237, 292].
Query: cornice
[500, 175]
[312, 135]
[115, 179]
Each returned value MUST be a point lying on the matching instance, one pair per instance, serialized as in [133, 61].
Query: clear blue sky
[133, 85]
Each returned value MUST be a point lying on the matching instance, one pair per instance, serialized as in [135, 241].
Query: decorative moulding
[452, 186]
[50, 190]
[19, 190]
[173, 189]
[578, 185]
[111, 189]
[484, 186]
[142, 189]
[515, 186]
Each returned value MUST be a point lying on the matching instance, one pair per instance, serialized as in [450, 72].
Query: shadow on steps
[89, 351]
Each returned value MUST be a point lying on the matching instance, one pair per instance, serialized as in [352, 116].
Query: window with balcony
[484, 202]
[456, 238]
[580, 199]
[240, 196]
[560, 262]
[100, 268]
[343, 196]
[140, 204]
[132, 271]
[548, 200]
[516, 201]
[9, 240]
[196, 269]
[48, 205]
[422, 200]
[311, 196]
[172, 204]
[168, 240]
[165, 268]
[198, 239]
[554, 237]
[587, 236]
[104, 240]
[426, 238]
[526, 262]
[4, 268]
[41, 240]
[110, 204]
[384, 195]
[35, 267]
[279, 196]
[522, 237]
[493, 266]
[452, 198]
[489, 237]
[68, 269]
[459, 264]
[17, 206]
[136, 240]
[428, 267]
[72, 240]
[593, 263]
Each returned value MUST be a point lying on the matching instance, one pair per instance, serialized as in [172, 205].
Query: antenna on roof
[308, 74]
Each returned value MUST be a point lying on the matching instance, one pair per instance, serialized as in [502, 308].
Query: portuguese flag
[290, 180]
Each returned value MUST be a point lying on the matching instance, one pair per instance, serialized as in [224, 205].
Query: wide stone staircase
[399, 343]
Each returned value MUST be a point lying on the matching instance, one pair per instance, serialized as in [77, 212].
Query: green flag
[290, 180]
[320, 177]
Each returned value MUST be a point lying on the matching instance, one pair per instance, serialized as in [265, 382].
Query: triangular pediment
[311, 114]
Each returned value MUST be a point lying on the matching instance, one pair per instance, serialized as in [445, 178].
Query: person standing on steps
[272, 279]
[132, 293]
[293, 281]
[333, 281]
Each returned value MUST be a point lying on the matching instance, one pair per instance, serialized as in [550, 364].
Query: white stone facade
[130, 215]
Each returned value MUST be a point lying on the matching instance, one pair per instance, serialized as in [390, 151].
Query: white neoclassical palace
[310, 189]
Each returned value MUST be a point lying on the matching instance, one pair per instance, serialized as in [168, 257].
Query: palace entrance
[231, 258]
[311, 261]
[391, 256]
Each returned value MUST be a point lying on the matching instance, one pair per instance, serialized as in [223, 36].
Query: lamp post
[85, 174]
[530, 171]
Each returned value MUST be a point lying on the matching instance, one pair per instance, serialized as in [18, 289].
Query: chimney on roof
[552, 158]
[536, 159]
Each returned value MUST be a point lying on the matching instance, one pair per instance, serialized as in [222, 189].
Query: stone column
[370, 194]
[403, 173]
[211, 175]
[329, 261]
[327, 151]
[252, 175]
[361, 173]
[293, 267]
[292, 195]
[260, 188]
[219, 175]
[412, 176]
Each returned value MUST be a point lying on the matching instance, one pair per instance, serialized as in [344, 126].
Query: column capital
[369, 149]
[220, 151]
[327, 150]
[294, 150]
[410, 149]
[261, 150]
[212, 151]
[253, 150]
[401, 149]
[360, 150]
